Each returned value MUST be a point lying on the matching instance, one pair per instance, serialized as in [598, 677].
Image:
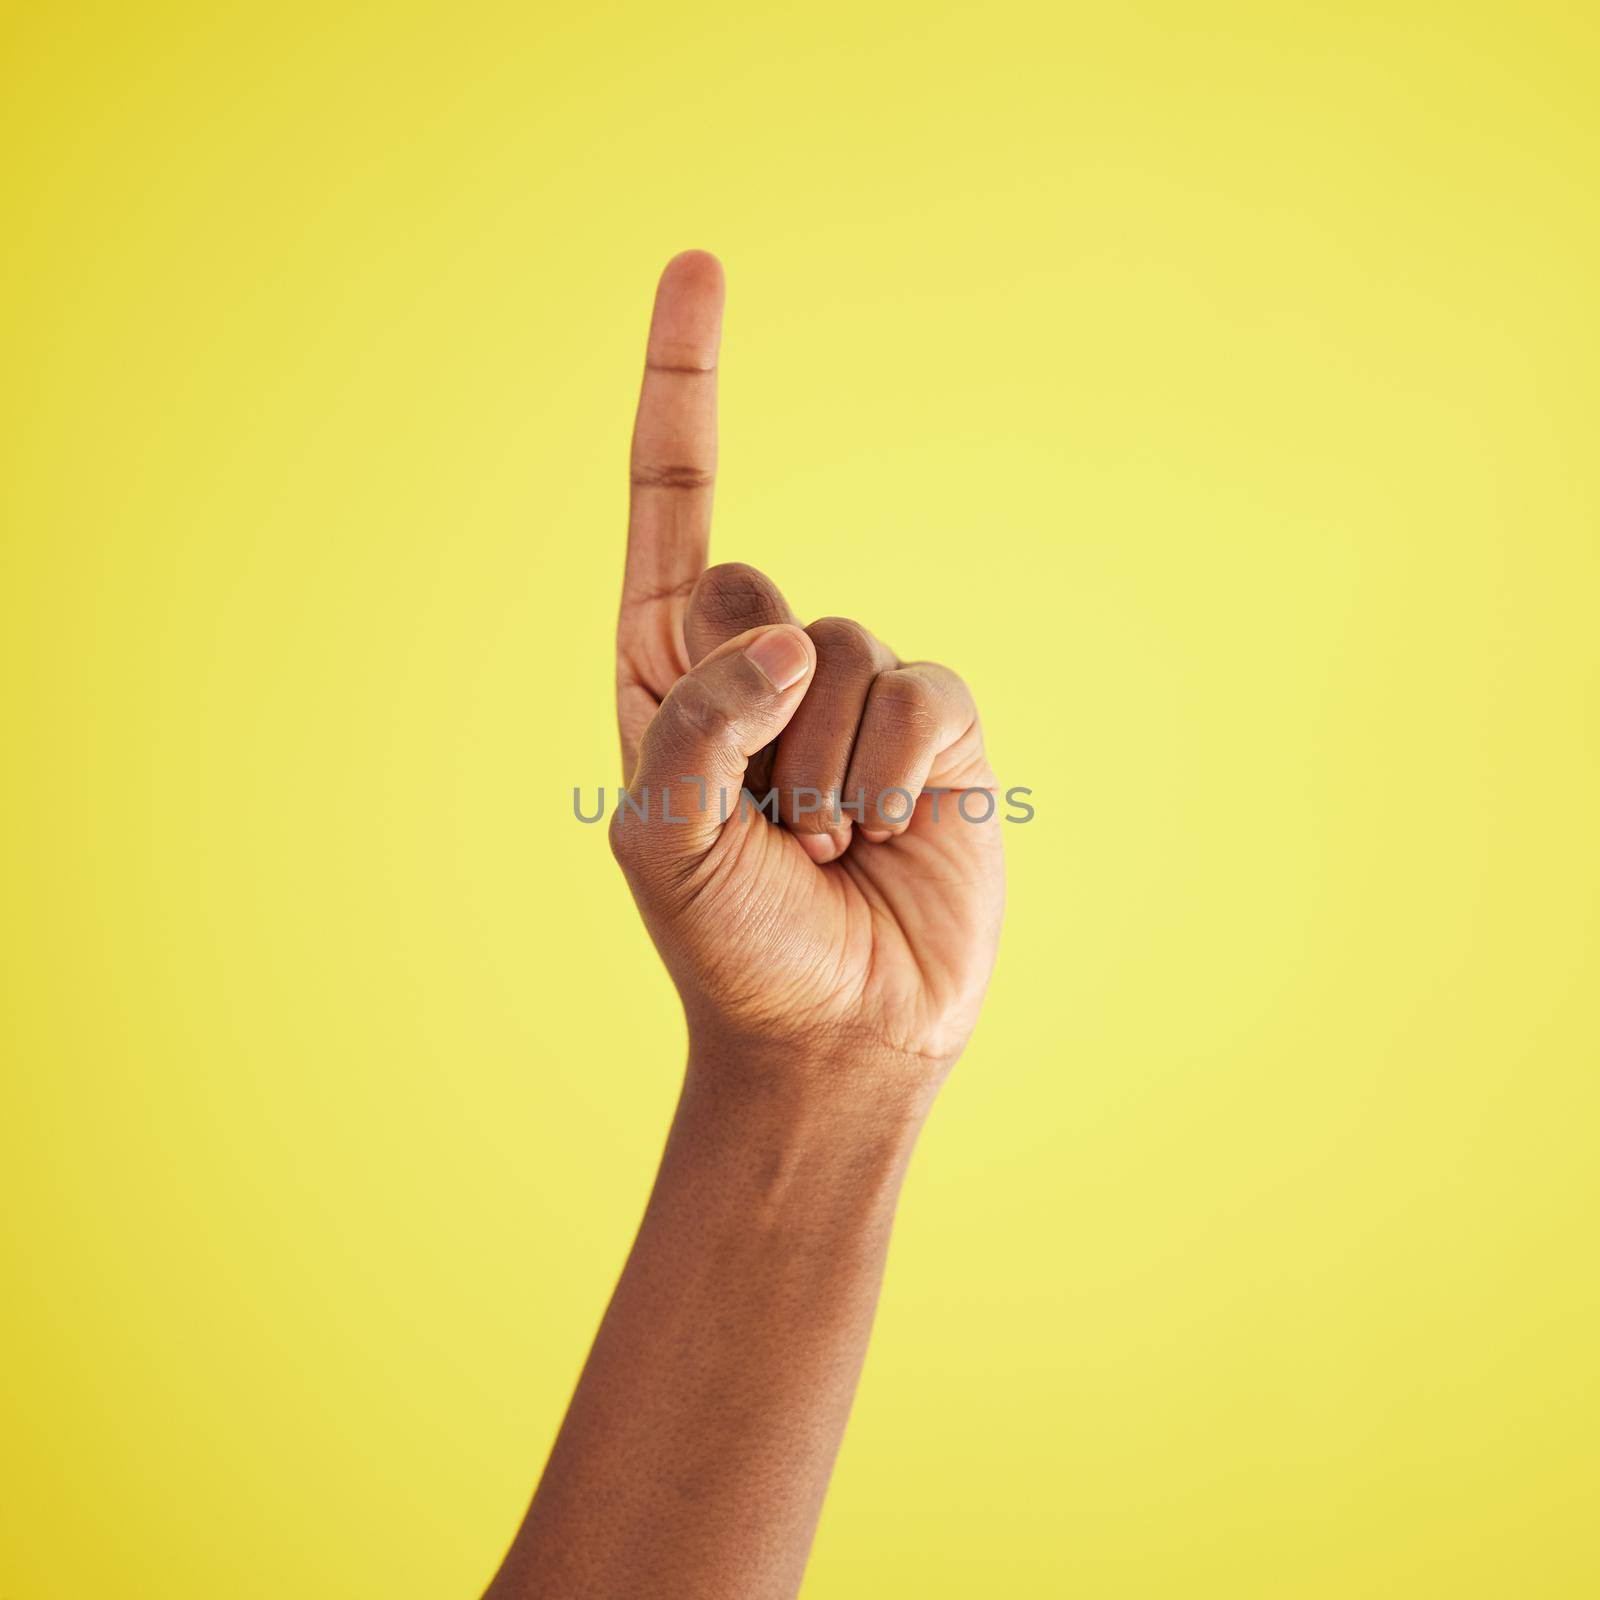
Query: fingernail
[876, 835]
[780, 656]
[818, 846]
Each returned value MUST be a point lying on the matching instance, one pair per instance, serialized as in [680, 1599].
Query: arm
[697, 1449]
[831, 964]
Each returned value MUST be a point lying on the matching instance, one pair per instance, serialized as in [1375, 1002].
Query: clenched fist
[845, 926]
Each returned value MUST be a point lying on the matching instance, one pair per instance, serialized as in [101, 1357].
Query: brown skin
[831, 970]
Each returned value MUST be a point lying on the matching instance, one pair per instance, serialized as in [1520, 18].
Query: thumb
[692, 756]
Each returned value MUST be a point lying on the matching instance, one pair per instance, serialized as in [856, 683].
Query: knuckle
[842, 642]
[624, 840]
[952, 679]
[946, 686]
[906, 704]
[697, 713]
[735, 594]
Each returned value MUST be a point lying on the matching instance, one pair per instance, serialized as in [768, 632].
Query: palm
[915, 928]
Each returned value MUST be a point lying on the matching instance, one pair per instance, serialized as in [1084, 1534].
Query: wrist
[800, 1122]
[840, 1086]
[770, 1157]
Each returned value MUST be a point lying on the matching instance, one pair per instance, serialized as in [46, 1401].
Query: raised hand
[853, 939]
[831, 968]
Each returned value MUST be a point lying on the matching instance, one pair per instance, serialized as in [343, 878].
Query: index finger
[673, 463]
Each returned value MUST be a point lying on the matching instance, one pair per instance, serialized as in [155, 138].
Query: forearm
[697, 1448]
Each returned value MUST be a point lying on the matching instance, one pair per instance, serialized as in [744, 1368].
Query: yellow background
[1214, 385]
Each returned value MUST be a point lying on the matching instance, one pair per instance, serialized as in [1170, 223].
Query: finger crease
[671, 477]
[648, 596]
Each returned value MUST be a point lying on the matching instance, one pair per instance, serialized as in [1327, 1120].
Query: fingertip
[686, 325]
[698, 267]
[821, 847]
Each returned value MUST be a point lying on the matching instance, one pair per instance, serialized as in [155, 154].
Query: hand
[857, 944]
[831, 973]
